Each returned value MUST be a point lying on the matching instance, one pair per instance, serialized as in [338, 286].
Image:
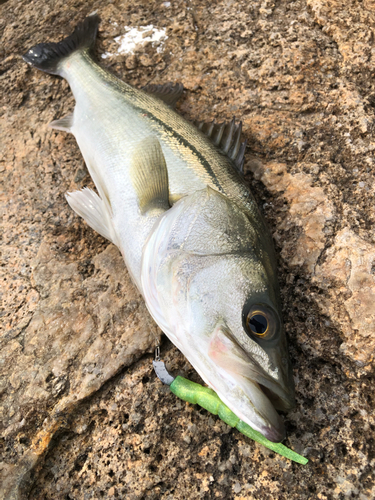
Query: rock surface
[81, 412]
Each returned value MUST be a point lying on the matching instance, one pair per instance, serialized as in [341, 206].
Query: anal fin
[94, 211]
[65, 124]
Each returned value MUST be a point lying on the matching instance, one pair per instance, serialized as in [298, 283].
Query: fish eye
[260, 322]
[257, 323]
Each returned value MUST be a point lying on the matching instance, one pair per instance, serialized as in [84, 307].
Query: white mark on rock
[139, 36]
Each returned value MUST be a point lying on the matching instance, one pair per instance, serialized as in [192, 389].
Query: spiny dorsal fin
[149, 176]
[65, 123]
[168, 92]
[227, 137]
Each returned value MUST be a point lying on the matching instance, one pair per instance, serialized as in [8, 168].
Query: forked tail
[48, 56]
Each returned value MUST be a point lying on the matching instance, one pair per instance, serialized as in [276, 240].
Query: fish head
[209, 284]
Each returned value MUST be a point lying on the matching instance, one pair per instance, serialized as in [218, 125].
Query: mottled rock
[342, 268]
[348, 269]
[80, 416]
[309, 211]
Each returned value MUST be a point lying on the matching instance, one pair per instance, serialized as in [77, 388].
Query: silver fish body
[116, 118]
[206, 266]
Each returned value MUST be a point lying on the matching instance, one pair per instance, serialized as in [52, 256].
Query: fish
[171, 197]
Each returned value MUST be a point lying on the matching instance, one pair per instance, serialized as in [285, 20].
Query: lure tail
[49, 56]
[206, 398]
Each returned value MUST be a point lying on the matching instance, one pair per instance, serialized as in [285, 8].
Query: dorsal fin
[168, 92]
[226, 136]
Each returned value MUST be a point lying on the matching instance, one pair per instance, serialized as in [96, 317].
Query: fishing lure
[208, 399]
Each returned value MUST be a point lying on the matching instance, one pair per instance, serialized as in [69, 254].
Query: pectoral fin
[149, 176]
[94, 211]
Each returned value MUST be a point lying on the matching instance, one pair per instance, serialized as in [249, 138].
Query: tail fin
[47, 56]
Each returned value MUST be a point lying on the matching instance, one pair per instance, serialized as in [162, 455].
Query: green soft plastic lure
[208, 399]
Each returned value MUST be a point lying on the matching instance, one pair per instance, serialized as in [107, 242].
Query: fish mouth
[256, 394]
